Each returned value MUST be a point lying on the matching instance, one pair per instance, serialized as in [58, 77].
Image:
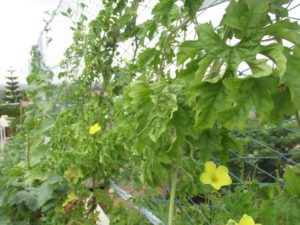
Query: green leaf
[234, 11]
[247, 94]
[149, 28]
[292, 76]
[210, 141]
[246, 16]
[38, 153]
[157, 128]
[260, 68]
[292, 180]
[188, 74]
[5, 220]
[44, 193]
[211, 41]
[188, 49]
[28, 197]
[229, 144]
[162, 11]
[165, 105]
[36, 197]
[34, 176]
[15, 171]
[285, 29]
[260, 96]
[192, 6]
[275, 52]
[283, 209]
[139, 90]
[283, 106]
[213, 100]
[235, 118]
[182, 120]
[278, 9]
[211, 69]
[146, 58]
[54, 178]
[47, 125]
[73, 174]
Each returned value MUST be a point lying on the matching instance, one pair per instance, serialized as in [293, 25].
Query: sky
[21, 22]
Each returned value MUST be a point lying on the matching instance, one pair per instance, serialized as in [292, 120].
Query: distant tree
[12, 92]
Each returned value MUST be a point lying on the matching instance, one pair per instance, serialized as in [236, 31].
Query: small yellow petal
[222, 175]
[216, 185]
[246, 220]
[205, 178]
[95, 128]
[222, 170]
[210, 167]
[225, 180]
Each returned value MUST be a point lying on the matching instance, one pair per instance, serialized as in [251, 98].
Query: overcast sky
[21, 21]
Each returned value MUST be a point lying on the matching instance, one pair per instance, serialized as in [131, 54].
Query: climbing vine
[118, 117]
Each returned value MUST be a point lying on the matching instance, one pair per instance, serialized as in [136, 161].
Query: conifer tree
[12, 93]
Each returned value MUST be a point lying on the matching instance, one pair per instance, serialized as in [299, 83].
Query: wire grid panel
[211, 11]
[58, 35]
[284, 156]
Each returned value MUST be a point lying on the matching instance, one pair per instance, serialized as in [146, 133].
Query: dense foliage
[10, 110]
[156, 128]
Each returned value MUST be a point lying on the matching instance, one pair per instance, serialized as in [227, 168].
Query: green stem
[164, 48]
[297, 118]
[218, 62]
[172, 197]
[27, 151]
[21, 112]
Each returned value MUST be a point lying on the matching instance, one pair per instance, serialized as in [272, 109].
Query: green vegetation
[129, 120]
[10, 110]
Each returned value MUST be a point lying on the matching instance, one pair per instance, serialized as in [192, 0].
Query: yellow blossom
[95, 128]
[216, 177]
[247, 220]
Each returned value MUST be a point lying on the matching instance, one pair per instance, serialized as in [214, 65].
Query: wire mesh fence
[58, 35]
[258, 168]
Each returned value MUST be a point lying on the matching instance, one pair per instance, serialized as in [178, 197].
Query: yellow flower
[247, 220]
[95, 128]
[216, 177]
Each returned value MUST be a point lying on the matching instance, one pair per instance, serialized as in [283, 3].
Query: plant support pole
[172, 197]
[27, 151]
[297, 118]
